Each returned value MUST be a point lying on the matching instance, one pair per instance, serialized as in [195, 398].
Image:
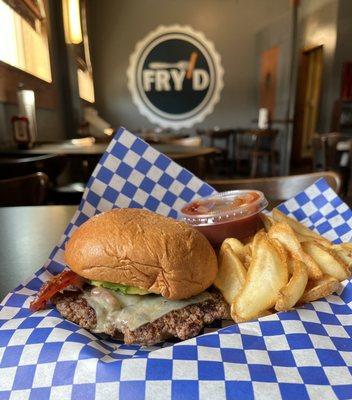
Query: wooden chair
[29, 190]
[255, 145]
[195, 162]
[264, 147]
[215, 135]
[280, 188]
[13, 166]
[327, 156]
[53, 165]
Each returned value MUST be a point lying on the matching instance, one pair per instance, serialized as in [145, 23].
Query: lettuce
[120, 288]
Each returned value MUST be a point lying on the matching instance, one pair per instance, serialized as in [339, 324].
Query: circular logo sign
[175, 76]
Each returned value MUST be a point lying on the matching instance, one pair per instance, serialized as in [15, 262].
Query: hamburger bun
[139, 248]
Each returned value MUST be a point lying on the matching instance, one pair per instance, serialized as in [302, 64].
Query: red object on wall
[346, 81]
[267, 79]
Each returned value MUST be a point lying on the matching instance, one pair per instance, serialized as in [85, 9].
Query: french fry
[316, 289]
[281, 249]
[346, 249]
[329, 262]
[286, 236]
[237, 247]
[247, 255]
[268, 221]
[323, 242]
[247, 248]
[284, 264]
[235, 244]
[345, 255]
[232, 274]
[238, 320]
[266, 275]
[293, 291]
[291, 265]
[303, 232]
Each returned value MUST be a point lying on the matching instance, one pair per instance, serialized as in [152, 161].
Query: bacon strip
[53, 286]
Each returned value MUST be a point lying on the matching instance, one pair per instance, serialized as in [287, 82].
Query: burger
[138, 274]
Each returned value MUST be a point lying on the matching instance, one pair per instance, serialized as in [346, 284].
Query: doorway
[307, 104]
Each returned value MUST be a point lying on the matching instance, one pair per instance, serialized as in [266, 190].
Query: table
[160, 137]
[97, 149]
[28, 234]
[81, 159]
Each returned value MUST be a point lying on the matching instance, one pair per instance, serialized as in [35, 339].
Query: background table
[97, 149]
[27, 236]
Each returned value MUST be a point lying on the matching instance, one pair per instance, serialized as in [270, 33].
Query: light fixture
[72, 21]
[108, 131]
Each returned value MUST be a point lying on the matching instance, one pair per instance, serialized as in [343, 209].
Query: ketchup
[229, 214]
[206, 206]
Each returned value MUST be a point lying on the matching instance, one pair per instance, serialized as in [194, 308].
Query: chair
[29, 190]
[73, 172]
[215, 135]
[280, 188]
[14, 166]
[254, 145]
[195, 162]
[327, 155]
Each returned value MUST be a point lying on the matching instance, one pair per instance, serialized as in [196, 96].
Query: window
[24, 40]
[85, 85]
[76, 34]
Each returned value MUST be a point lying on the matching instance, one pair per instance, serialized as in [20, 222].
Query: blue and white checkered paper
[303, 354]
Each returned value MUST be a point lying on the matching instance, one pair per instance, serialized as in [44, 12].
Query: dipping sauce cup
[229, 214]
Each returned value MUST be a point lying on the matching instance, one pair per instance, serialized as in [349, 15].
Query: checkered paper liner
[306, 353]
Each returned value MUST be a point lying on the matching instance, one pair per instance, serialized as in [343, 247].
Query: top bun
[139, 248]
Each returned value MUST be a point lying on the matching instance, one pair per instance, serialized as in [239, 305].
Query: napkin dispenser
[27, 113]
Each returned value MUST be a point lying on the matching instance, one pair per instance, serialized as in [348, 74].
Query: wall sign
[175, 76]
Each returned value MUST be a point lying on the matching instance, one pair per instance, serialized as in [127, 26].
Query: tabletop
[67, 148]
[28, 234]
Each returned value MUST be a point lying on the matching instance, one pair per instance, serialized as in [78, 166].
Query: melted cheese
[117, 310]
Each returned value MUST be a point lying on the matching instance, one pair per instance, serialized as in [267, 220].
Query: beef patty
[183, 323]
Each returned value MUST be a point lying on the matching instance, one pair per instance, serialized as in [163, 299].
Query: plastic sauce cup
[229, 214]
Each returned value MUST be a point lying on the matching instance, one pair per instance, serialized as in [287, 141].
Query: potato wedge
[235, 244]
[329, 262]
[238, 320]
[232, 274]
[298, 227]
[286, 236]
[316, 289]
[266, 275]
[247, 255]
[293, 291]
[291, 265]
[281, 249]
[237, 247]
[345, 255]
[346, 247]
[268, 221]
